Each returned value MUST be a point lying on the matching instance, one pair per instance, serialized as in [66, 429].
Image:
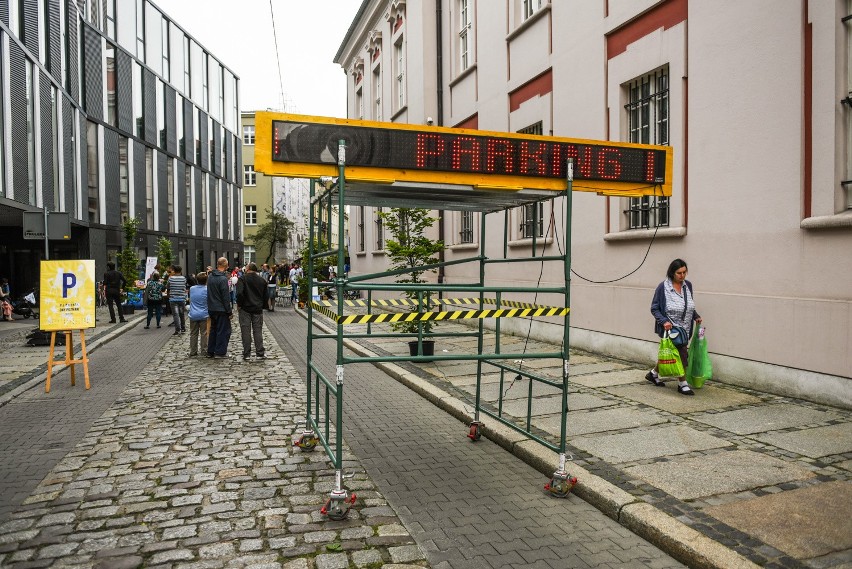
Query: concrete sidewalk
[729, 471]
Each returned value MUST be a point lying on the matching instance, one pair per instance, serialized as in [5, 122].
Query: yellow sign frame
[264, 164]
[67, 295]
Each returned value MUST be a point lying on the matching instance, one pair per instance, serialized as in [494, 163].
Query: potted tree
[128, 264]
[409, 248]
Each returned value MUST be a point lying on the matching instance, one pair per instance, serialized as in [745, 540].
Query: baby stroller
[26, 306]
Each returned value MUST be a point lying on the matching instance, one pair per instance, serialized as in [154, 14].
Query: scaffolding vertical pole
[475, 431]
[310, 310]
[338, 422]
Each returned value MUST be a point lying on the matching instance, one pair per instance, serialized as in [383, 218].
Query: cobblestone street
[193, 466]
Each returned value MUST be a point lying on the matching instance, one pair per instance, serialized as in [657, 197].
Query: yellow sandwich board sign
[303, 146]
[67, 295]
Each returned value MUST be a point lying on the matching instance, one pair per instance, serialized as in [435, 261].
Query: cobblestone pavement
[192, 466]
[468, 505]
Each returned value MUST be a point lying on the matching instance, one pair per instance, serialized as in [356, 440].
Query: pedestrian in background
[6, 299]
[219, 307]
[251, 296]
[114, 283]
[154, 294]
[177, 298]
[674, 305]
[199, 318]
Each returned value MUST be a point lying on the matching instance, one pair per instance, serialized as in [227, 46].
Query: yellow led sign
[307, 147]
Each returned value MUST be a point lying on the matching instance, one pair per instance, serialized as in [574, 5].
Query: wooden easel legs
[69, 357]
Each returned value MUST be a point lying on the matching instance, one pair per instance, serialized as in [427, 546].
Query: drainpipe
[439, 56]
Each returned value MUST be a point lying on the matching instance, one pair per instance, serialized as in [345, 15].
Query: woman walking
[154, 294]
[674, 305]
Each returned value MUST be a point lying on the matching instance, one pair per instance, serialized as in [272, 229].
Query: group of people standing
[211, 297]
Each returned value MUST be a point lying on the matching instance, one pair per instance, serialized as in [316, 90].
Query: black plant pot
[428, 348]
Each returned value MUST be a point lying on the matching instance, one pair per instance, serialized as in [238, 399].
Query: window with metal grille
[380, 230]
[399, 62]
[251, 215]
[535, 128]
[377, 92]
[361, 239]
[530, 7]
[532, 223]
[648, 123]
[532, 214]
[466, 233]
[464, 34]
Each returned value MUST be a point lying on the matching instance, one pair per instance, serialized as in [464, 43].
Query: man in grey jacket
[251, 296]
[219, 308]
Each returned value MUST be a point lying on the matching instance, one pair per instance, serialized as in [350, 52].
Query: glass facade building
[109, 110]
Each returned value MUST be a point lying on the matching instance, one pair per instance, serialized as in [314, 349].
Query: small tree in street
[410, 248]
[128, 261]
[165, 256]
[270, 234]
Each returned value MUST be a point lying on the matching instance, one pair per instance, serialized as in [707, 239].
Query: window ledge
[637, 234]
[828, 221]
[382, 252]
[464, 247]
[526, 24]
[360, 253]
[462, 75]
[528, 242]
[399, 112]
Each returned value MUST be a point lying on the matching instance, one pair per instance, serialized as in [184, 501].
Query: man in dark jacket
[251, 296]
[113, 283]
[219, 308]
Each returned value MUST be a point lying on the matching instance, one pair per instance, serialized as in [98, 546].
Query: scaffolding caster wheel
[475, 432]
[338, 505]
[307, 442]
[561, 484]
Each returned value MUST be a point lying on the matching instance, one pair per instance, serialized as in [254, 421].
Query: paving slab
[668, 399]
[846, 465]
[766, 418]
[814, 443]
[512, 389]
[718, 473]
[550, 405]
[610, 378]
[804, 523]
[648, 443]
[601, 420]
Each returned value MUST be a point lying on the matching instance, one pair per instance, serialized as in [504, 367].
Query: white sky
[239, 33]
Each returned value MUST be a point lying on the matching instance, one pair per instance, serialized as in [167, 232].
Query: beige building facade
[754, 98]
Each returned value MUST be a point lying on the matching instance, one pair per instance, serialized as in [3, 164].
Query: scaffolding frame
[327, 193]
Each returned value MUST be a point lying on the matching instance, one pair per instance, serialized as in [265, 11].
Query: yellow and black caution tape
[432, 302]
[440, 315]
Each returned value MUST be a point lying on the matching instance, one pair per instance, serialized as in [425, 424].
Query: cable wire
[277, 56]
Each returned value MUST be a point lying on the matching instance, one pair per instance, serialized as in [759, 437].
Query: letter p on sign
[69, 281]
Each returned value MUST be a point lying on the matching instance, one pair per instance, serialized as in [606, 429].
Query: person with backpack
[154, 295]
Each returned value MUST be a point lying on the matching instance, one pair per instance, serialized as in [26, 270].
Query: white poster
[150, 263]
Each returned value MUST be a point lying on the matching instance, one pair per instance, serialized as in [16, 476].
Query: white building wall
[772, 282]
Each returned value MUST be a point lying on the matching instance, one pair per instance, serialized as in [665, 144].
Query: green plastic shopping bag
[698, 368]
[668, 359]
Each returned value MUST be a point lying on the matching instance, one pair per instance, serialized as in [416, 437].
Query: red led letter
[609, 164]
[538, 157]
[424, 150]
[650, 157]
[556, 161]
[499, 148]
[471, 150]
[583, 164]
